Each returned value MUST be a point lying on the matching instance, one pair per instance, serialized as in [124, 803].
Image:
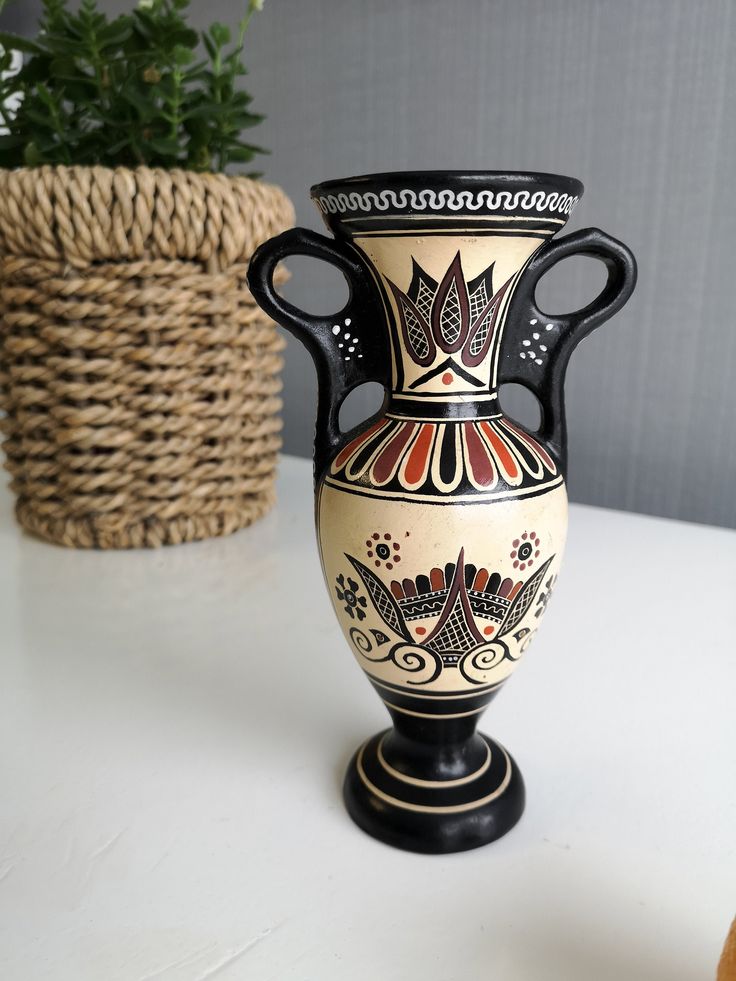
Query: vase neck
[446, 298]
[484, 406]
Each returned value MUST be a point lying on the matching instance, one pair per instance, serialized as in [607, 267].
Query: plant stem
[175, 121]
[243, 26]
[59, 130]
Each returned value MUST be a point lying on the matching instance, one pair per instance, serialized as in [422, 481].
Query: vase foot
[433, 816]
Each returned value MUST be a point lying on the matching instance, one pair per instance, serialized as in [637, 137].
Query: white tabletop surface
[171, 804]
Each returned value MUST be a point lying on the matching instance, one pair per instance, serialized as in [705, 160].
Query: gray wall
[635, 97]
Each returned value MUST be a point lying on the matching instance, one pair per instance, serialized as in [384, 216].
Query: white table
[171, 808]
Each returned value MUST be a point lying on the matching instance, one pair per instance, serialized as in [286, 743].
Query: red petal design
[499, 448]
[389, 455]
[344, 455]
[479, 459]
[417, 461]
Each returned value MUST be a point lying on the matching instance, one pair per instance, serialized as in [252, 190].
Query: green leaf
[41, 119]
[116, 33]
[192, 73]
[203, 110]
[66, 69]
[220, 34]
[210, 46]
[184, 36]
[241, 99]
[12, 42]
[165, 145]
[241, 154]
[142, 23]
[32, 156]
[9, 141]
[45, 96]
[116, 147]
[82, 93]
[182, 56]
[34, 71]
[53, 40]
[140, 102]
[247, 119]
[208, 78]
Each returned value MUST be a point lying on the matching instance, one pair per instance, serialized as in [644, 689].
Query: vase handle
[558, 335]
[338, 372]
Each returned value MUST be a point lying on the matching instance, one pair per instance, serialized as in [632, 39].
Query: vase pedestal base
[428, 815]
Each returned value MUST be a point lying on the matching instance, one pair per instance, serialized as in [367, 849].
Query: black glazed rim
[418, 198]
[460, 180]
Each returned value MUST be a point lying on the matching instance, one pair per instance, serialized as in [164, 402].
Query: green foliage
[143, 88]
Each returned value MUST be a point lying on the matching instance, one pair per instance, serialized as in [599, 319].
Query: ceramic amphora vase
[441, 522]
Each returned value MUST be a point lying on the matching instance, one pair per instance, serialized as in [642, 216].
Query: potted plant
[138, 379]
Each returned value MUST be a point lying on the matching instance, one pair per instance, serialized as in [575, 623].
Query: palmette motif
[441, 522]
[448, 616]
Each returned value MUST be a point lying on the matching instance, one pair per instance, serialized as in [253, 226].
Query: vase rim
[458, 178]
[418, 199]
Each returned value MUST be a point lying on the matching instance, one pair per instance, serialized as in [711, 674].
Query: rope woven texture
[139, 381]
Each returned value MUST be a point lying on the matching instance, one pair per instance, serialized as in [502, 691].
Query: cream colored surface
[432, 535]
[392, 256]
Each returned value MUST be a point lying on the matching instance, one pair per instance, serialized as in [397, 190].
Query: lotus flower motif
[454, 316]
[454, 603]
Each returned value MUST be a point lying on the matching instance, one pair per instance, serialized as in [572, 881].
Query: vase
[139, 381]
[441, 521]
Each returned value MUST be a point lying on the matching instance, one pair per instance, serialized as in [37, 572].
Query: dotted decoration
[347, 338]
[540, 350]
[525, 550]
[383, 550]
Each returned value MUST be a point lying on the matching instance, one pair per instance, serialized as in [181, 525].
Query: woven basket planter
[138, 380]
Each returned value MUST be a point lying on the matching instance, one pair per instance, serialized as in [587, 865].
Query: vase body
[441, 522]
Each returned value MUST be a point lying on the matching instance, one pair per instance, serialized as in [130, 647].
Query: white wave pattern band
[438, 200]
